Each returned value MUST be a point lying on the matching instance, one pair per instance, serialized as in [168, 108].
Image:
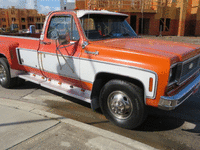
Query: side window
[88, 24]
[60, 25]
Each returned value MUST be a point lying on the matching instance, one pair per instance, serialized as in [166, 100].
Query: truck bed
[25, 40]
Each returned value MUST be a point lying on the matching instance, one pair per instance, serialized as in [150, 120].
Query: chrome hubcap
[119, 104]
[2, 73]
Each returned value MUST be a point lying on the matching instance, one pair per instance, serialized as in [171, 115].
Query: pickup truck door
[60, 61]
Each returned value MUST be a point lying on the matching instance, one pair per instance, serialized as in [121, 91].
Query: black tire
[123, 104]
[5, 79]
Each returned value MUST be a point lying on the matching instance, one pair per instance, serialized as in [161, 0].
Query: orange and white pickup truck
[95, 56]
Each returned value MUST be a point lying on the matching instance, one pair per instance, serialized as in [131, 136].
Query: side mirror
[64, 39]
[54, 34]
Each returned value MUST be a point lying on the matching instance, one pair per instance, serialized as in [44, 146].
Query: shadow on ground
[158, 120]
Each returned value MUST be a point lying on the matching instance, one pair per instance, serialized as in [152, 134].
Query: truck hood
[156, 47]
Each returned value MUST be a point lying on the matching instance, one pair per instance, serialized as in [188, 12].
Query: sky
[44, 6]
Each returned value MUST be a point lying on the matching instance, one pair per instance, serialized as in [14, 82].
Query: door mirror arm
[84, 44]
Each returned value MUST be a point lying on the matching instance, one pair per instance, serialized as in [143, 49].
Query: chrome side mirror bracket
[85, 43]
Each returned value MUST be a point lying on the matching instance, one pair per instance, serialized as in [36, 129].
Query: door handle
[45, 43]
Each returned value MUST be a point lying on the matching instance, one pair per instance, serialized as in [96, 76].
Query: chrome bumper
[171, 102]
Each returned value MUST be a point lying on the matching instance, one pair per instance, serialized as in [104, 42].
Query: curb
[40, 110]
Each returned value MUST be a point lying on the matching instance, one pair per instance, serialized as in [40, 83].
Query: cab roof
[81, 13]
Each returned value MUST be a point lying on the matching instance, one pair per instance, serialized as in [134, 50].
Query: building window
[38, 19]
[43, 19]
[31, 19]
[23, 19]
[167, 24]
[164, 24]
[23, 26]
[144, 25]
[4, 26]
[13, 19]
[3, 19]
[161, 24]
[39, 26]
[65, 8]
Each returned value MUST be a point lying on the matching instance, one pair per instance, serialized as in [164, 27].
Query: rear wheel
[5, 79]
[123, 104]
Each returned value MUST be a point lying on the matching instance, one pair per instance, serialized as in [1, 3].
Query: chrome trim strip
[40, 52]
[171, 102]
[22, 37]
[44, 27]
[19, 48]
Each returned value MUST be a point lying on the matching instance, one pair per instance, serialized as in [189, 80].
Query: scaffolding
[129, 5]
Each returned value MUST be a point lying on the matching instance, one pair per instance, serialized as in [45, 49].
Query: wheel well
[101, 79]
[1, 55]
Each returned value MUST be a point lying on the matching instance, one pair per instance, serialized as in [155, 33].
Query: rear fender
[8, 50]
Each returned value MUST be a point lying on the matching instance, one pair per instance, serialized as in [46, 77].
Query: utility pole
[35, 4]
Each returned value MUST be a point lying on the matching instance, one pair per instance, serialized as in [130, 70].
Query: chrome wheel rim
[120, 104]
[2, 73]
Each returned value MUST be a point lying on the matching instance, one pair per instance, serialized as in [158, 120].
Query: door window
[60, 25]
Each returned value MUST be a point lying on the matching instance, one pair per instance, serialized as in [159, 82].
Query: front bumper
[171, 102]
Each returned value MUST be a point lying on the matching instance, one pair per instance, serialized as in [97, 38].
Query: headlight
[175, 73]
[172, 74]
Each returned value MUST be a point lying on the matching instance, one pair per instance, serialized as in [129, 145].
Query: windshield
[100, 27]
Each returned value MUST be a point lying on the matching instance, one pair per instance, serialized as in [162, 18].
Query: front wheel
[123, 104]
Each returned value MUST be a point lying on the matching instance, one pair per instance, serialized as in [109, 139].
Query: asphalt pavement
[28, 126]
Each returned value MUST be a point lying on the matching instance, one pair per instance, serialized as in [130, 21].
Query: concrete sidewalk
[29, 126]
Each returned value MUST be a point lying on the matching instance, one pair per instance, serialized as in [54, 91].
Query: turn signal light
[150, 84]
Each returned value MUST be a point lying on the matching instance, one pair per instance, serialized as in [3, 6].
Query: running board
[63, 88]
[33, 78]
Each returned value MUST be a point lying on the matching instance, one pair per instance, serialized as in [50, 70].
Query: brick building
[22, 17]
[154, 17]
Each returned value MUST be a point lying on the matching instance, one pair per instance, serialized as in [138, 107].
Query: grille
[189, 67]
